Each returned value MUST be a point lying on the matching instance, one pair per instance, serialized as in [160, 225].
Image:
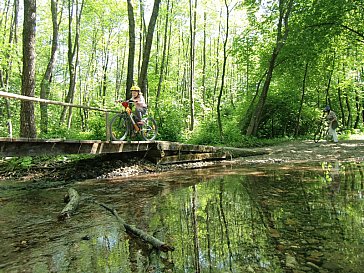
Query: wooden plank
[45, 147]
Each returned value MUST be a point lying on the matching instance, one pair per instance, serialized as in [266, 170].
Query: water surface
[276, 218]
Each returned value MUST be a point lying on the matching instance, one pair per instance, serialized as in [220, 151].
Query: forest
[212, 71]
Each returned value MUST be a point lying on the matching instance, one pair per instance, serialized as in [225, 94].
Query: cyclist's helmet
[327, 108]
[135, 88]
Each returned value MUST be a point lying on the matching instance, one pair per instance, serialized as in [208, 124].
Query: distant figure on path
[332, 122]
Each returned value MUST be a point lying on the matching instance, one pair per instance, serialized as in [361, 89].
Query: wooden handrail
[27, 98]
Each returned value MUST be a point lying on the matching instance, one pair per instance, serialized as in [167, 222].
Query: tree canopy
[212, 71]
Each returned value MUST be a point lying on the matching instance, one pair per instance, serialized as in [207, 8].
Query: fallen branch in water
[72, 199]
[156, 243]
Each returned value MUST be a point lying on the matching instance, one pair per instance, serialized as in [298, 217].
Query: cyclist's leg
[140, 114]
[137, 115]
[327, 134]
[334, 135]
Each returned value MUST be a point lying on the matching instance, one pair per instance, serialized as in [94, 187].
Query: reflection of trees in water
[219, 215]
[273, 221]
[268, 221]
[347, 178]
[312, 220]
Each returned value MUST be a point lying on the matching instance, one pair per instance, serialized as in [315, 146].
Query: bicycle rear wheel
[119, 127]
[149, 129]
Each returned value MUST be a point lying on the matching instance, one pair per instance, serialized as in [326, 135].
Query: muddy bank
[48, 173]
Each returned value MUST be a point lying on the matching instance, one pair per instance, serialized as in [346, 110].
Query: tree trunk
[156, 243]
[339, 94]
[327, 97]
[131, 55]
[249, 112]
[204, 60]
[27, 119]
[6, 71]
[162, 67]
[223, 73]
[225, 223]
[142, 34]
[105, 66]
[193, 20]
[350, 119]
[45, 85]
[302, 100]
[72, 198]
[196, 244]
[282, 33]
[73, 51]
[147, 48]
[120, 65]
[357, 108]
[255, 119]
[217, 64]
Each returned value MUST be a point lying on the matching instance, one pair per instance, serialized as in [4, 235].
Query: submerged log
[156, 243]
[73, 199]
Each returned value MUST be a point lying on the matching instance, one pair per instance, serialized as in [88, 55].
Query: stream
[271, 218]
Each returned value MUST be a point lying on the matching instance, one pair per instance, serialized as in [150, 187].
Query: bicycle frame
[322, 132]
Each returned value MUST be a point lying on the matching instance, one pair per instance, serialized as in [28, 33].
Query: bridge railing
[34, 99]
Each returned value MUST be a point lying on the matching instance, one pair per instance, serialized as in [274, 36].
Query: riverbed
[288, 217]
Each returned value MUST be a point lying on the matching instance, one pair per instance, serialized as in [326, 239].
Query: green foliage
[16, 163]
[206, 133]
[97, 127]
[170, 123]
[316, 38]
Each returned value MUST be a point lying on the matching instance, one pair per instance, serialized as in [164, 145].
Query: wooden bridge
[162, 152]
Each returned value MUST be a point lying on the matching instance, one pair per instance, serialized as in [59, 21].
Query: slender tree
[27, 118]
[147, 47]
[45, 85]
[223, 71]
[131, 55]
[302, 100]
[6, 70]
[193, 23]
[73, 55]
[162, 67]
[204, 57]
[285, 8]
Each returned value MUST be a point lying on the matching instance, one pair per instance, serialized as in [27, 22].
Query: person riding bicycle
[332, 122]
[139, 102]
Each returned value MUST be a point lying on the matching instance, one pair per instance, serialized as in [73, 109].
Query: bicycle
[123, 124]
[322, 132]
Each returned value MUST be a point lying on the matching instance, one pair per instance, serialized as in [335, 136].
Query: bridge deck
[158, 151]
[162, 152]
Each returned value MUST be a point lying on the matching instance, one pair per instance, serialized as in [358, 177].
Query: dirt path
[308, 151]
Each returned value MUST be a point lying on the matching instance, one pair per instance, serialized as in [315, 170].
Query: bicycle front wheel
[149, 129]
[119, 127]
[318, 132]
